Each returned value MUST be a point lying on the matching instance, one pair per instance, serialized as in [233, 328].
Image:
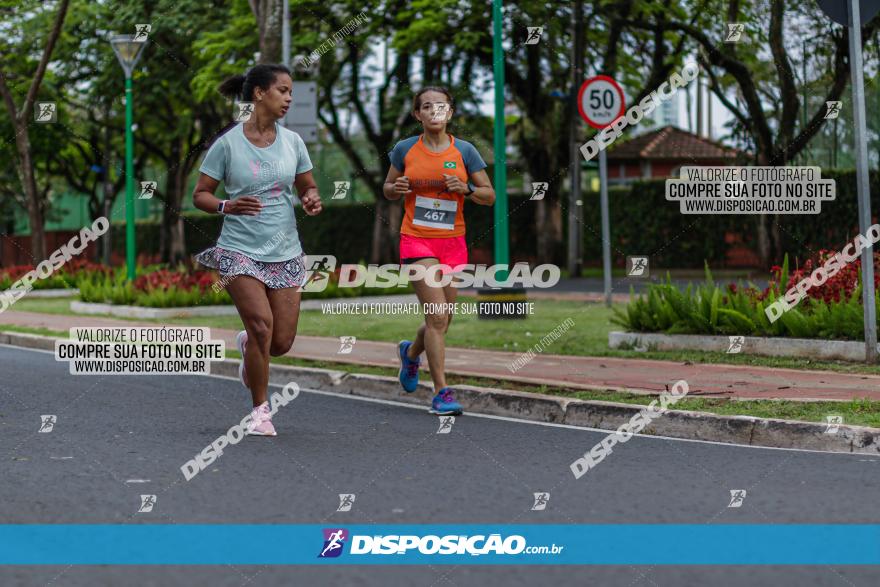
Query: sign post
[854, 13]
[302, 117]
[601, 102]
[575, 207]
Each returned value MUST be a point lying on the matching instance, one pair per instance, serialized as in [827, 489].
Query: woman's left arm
[307, 190]
[484, 193]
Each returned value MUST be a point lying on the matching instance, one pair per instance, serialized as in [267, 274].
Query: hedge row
[344, 231]
[642, 222]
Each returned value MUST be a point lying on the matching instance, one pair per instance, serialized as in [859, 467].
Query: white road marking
[550, 424]
[503, 418]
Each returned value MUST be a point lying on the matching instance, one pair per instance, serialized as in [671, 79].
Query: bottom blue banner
[480, 544]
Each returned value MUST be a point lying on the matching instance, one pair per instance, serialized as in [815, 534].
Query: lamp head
[128, 51]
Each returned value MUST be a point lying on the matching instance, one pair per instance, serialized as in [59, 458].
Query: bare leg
[253, 306]
[285, 315]
[431, 336]
[418, 344]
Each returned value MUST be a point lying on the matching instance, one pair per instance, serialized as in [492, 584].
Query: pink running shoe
[241, 342]
[261, 421]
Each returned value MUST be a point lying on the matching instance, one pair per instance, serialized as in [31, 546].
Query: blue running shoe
[409, 369]
[444, 403]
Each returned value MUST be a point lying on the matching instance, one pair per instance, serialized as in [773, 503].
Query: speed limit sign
[601, 101]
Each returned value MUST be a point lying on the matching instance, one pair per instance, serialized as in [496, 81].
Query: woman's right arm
[204, 199]
[396, 184]
[203, 196]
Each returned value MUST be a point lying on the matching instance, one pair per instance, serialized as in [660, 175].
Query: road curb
[585, 413]
[809, 348]
[53, 293]
[603, 415]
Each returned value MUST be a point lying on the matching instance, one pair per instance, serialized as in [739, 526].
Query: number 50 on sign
[601, 101]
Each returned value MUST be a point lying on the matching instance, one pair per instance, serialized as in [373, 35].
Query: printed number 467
[435, 215]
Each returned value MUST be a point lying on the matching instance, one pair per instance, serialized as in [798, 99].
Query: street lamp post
[502, 242]
[128, 52]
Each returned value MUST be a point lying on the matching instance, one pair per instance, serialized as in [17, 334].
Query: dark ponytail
[231, 87]
[259, 76]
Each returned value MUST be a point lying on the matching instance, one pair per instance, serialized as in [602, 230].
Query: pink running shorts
[450, 251]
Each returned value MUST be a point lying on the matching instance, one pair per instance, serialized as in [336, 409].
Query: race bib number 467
[435, 213]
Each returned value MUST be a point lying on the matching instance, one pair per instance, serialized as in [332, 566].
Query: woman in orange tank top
[435, 173]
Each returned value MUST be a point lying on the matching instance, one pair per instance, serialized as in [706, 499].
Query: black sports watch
[470, 190]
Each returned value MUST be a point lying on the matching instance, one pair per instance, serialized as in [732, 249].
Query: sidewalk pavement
[600, 373]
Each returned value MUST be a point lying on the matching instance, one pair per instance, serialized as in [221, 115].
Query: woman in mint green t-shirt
[259, 254]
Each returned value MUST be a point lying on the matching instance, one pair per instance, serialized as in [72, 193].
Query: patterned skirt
[276, 275]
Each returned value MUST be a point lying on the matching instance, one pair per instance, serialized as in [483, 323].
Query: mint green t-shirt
[266, 173]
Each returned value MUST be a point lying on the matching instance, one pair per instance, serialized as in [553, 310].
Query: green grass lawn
[588, 336]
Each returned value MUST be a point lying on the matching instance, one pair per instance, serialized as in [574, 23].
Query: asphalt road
[117, 437]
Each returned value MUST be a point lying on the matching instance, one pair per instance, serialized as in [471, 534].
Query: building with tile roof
[660, 153]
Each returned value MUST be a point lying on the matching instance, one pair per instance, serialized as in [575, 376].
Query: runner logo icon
[734, 32]
[834, 422]
[47, 422]
[318, 271]
[736, 344]
[341, 189]
[833, 109]
[148, 189]
[534, 34]
[539, 190]
[736, 498]
[346, 500]
[637, 267]
[346, 344]
[141, 32]
[541, 500]
[446, 423]
[334, 541]
[147, 503]
[45, 112]
[243, 111]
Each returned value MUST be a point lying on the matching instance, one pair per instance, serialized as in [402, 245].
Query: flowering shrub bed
[837, 288]
[161, 287]
[154, 287]
[66, 277]
[831, 311]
